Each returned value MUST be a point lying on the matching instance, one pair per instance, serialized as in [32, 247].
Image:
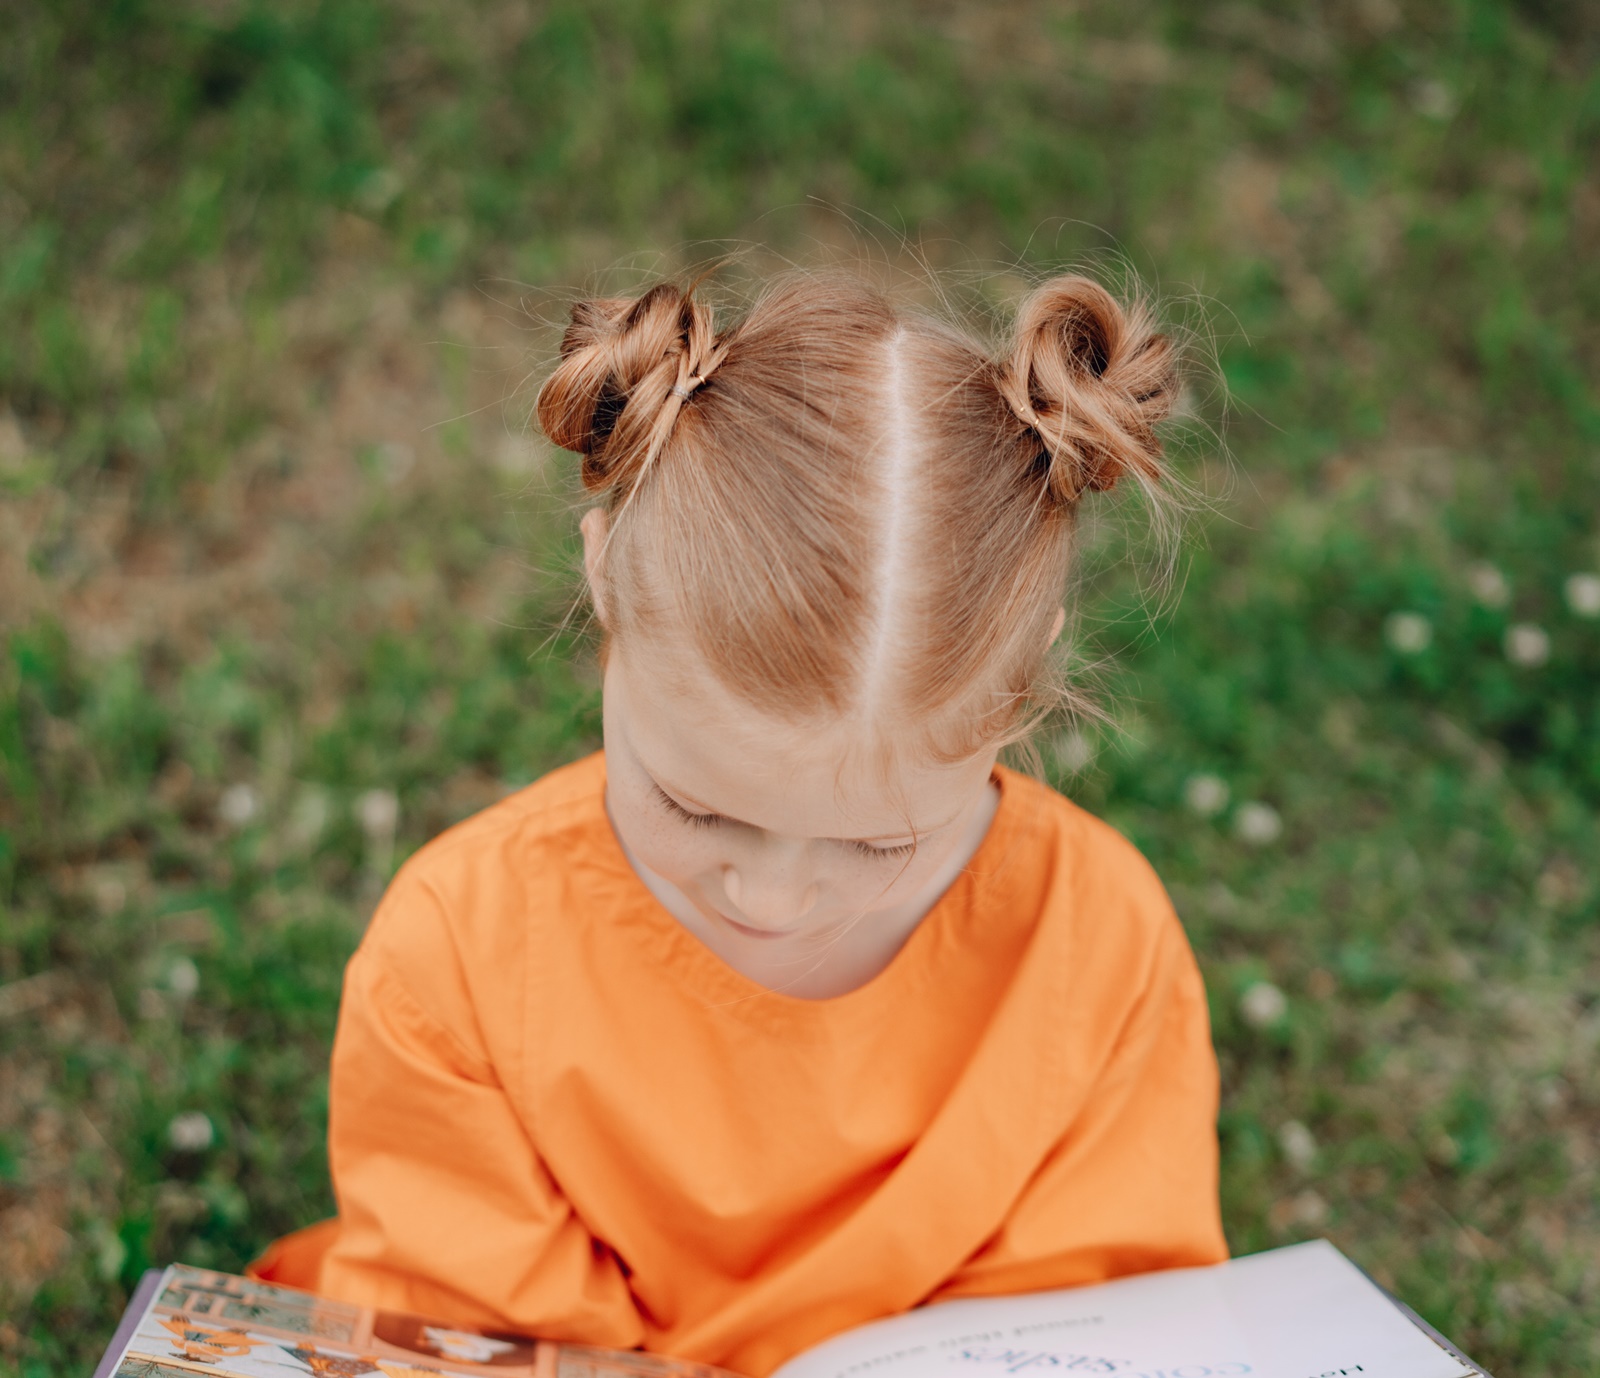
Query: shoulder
[1097, 890]
[567, 801]
[463, 903]
[1086, 853]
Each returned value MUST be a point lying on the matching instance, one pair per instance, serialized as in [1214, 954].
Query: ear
[1055, 627]
[595, 527]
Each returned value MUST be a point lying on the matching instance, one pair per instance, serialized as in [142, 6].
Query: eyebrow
[675, 794]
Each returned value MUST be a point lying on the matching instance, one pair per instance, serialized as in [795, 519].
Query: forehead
[825, 777]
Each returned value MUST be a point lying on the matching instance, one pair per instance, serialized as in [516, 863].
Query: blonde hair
[849, 507]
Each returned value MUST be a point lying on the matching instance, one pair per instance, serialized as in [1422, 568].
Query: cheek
[663, 844]
[859, 880]
[902, 880]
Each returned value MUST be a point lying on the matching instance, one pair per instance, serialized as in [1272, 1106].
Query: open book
[1300, 1312]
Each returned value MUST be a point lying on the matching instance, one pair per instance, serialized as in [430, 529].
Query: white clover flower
[395, 460]
[309, 817]
[1527, 645]
[1073, 751]
[1583, 594]
[191, 1132]
[110, 1252]
[1257, 824]
[1433, 99]
[1551, 1095]
[1206, 795]
[1262, 1005]
[1309, 1209]
[108, 892]
[238, 805]
[378, 189]
[1409, 633]
[1298, 1143]
[1488, 584]
[378, 811]
[183, 978]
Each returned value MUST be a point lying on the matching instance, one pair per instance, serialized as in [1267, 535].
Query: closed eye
[903, 849]
[677, 810]
[712, 820]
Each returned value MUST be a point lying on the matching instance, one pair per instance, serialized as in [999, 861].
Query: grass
[278, 564]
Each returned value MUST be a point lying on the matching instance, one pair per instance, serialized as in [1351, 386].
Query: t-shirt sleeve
[1131, 1186]
[444, 1204]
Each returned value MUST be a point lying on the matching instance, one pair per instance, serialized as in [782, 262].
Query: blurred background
[280, 561]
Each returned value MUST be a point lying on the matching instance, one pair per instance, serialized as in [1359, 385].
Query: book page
[1300, 1312]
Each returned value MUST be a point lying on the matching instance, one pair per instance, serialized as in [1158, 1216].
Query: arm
[444, 1205]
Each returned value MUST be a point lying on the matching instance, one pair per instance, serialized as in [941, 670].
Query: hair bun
[627, 367]
[1092, 380]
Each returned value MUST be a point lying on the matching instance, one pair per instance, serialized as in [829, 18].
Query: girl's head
[829, 555]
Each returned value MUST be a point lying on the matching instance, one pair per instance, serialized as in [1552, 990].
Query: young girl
[791, 1008]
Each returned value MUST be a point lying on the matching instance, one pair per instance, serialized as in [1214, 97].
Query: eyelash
[883, 853]
[677, 810]
[711, 820]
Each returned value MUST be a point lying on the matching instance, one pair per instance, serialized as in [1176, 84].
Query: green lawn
[282, 576]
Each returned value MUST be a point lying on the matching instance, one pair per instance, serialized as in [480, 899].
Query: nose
[774, 894]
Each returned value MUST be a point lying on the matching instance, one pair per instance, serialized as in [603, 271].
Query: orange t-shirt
[554, 1110]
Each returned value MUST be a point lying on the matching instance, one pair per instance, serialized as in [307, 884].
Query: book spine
[1423, 1326]
[138, 1304]
[1436, 1337]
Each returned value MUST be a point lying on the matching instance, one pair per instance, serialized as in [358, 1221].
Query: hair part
[846, 507]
